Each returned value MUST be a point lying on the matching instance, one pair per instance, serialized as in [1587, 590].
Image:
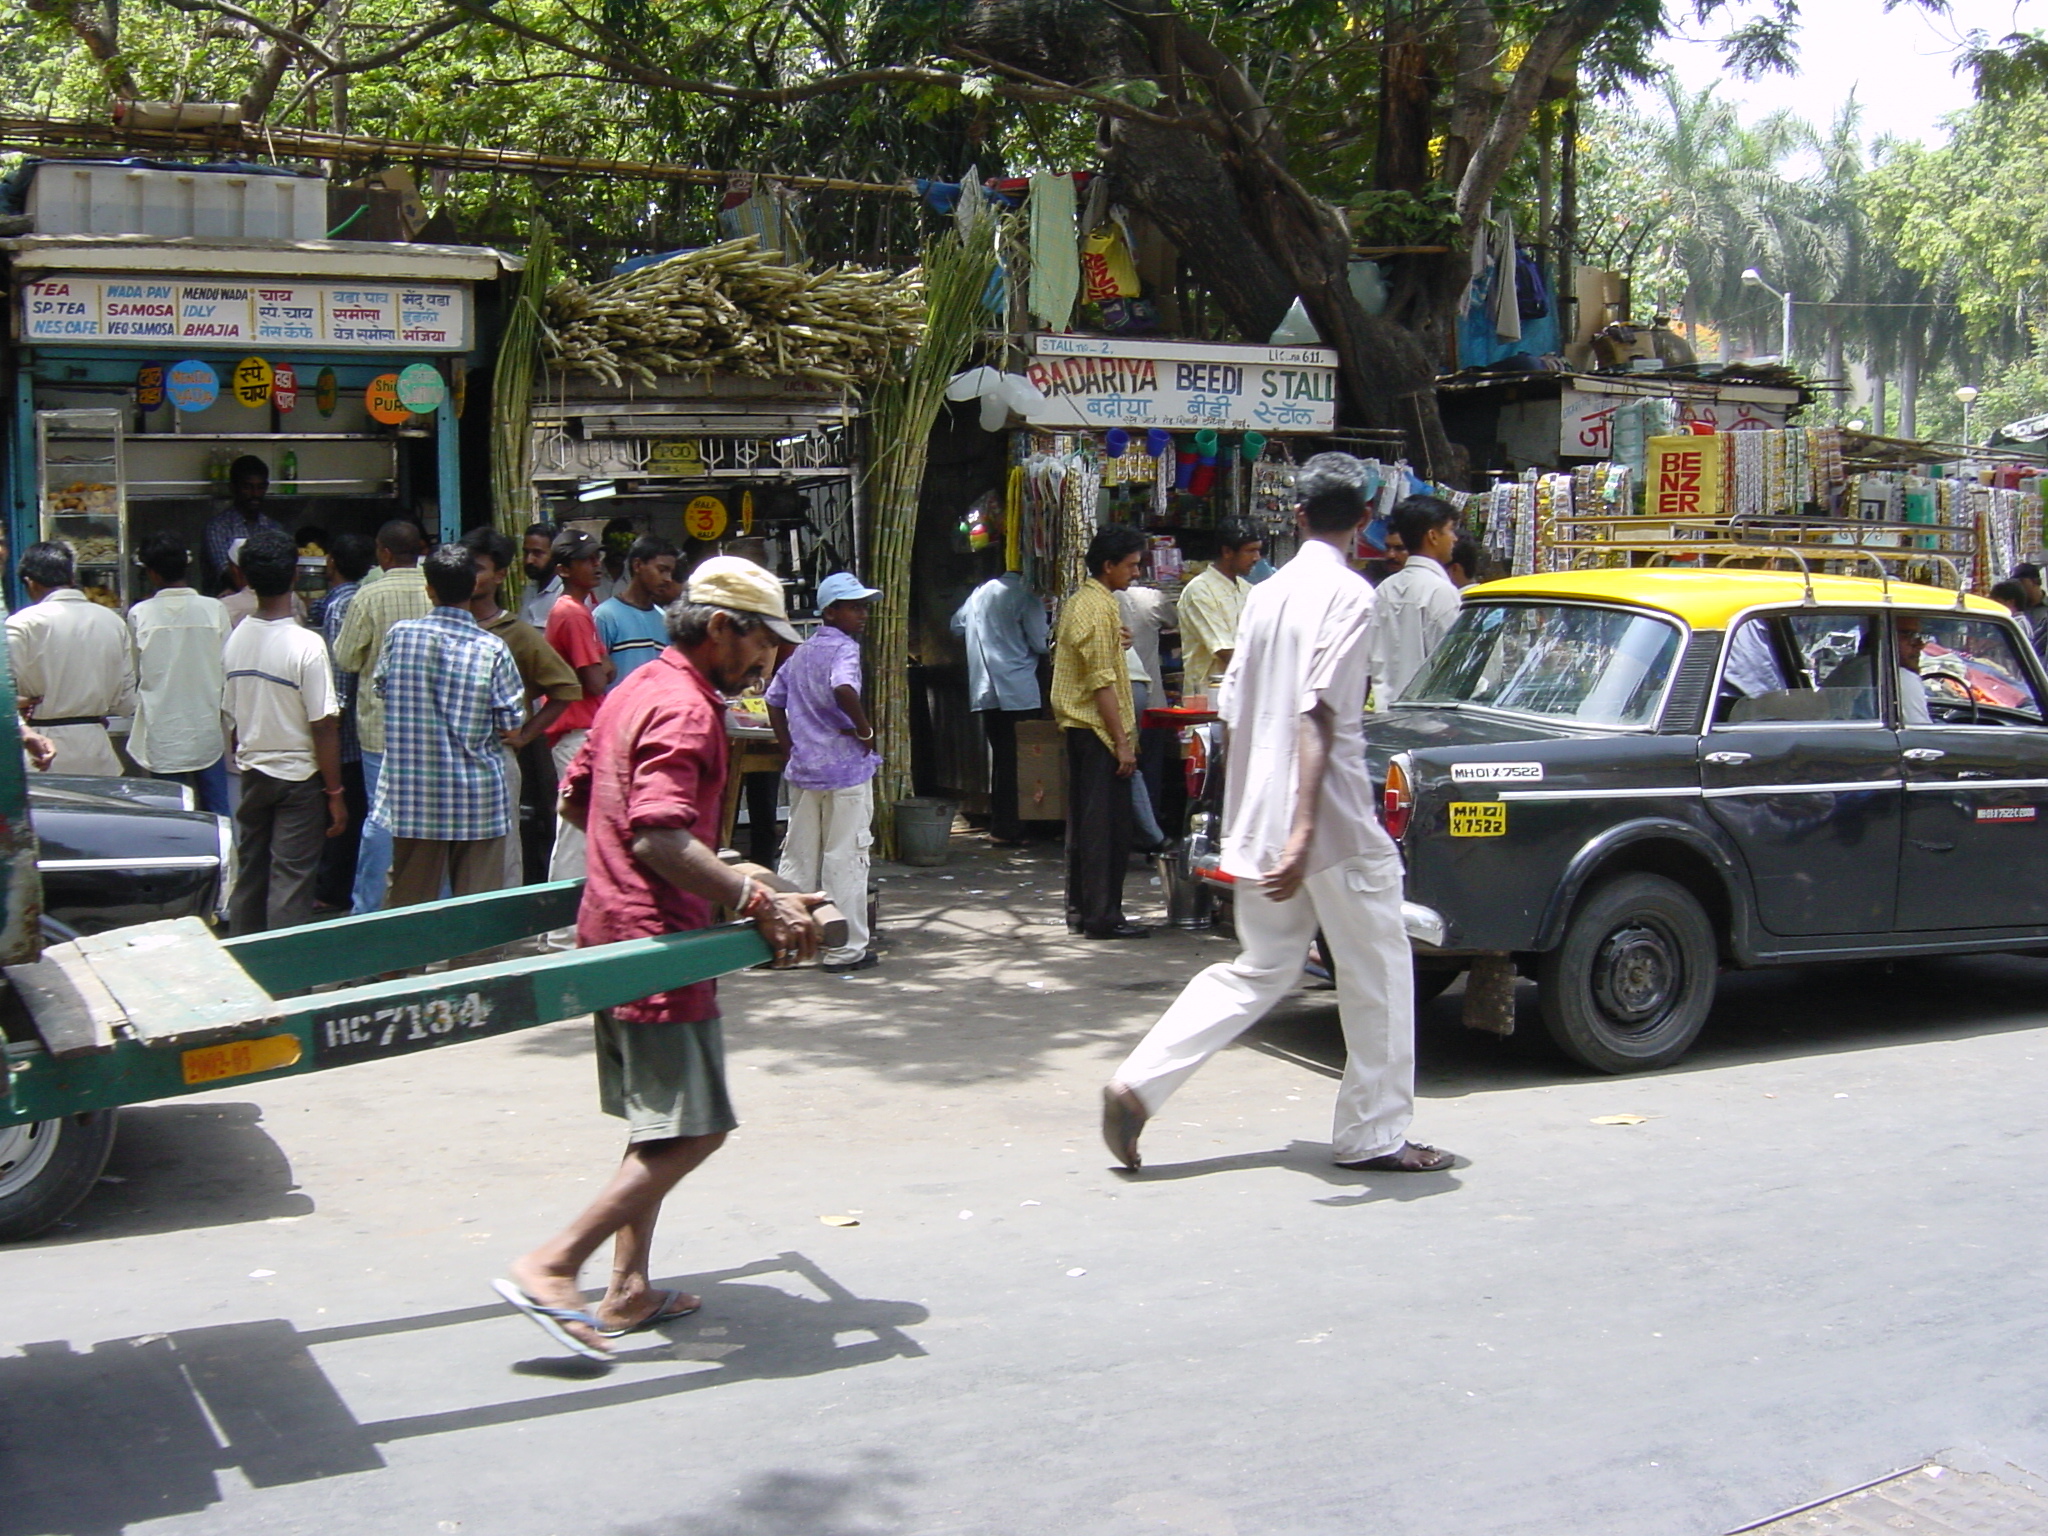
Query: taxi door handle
[1923, 754]
[1728, 759]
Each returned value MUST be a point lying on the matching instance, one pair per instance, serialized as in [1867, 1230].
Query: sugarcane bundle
[733, 308]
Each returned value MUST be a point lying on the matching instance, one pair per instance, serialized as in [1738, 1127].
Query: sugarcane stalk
[513, 503]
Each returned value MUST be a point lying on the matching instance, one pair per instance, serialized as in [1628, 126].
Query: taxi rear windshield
[1593, 666]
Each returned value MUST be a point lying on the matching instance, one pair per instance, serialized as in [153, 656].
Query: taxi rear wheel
[1631, 984]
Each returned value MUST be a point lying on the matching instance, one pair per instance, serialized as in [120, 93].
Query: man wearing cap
[572, 631]
[648, 787]
[814, 704]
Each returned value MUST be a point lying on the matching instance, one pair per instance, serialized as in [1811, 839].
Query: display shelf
[65, 478]
[262, 437]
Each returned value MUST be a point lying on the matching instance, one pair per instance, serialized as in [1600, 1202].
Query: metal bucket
[1189, 901]
[924, 830]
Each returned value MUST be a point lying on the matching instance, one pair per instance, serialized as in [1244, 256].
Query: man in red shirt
[572, 631]
[649, 788]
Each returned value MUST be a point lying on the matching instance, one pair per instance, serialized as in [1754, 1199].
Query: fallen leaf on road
[1619, 1119]
[839, 1221]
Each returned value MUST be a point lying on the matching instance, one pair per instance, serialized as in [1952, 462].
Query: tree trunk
[1878, 424]
[1407, 88]
[1832, 364]
[1909, 385]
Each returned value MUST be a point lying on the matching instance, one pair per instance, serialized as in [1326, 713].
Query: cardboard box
[1041, 771]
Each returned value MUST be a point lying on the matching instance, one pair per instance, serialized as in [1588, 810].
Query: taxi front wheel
[1631, 984]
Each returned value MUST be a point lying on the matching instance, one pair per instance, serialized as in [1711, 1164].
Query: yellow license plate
[239, 1058]
[1479, 818]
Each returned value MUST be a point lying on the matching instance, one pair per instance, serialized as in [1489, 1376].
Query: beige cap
[727, 581]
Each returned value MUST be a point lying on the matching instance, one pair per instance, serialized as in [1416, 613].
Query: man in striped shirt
[452, 695]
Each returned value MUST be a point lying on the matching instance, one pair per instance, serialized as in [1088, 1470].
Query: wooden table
[754, 750]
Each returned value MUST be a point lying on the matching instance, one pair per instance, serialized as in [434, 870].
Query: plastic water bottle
[288, 473]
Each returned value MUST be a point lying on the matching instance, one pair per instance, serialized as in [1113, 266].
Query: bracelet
[752, 895]
[337, 791]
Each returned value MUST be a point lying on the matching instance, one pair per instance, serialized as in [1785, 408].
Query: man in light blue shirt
[633, 623]
[1005, 628]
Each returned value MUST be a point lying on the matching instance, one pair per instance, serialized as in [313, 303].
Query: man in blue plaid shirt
[451, 695]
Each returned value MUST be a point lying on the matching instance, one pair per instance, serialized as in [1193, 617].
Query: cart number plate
[414, 1026]
[1479, 818]
[239, 1058]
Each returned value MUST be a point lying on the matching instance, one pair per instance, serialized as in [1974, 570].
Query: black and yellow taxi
[1622, 781]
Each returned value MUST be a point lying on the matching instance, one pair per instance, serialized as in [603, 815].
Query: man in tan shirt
[1210, 605]
[399, 594]
[1091, 699]
[73, 663]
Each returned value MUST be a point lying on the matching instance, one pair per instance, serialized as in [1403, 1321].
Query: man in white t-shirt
[1413, 609]
[1308, 852]
[281, 697]
[179, 678]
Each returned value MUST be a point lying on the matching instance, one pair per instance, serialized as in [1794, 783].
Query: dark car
[1624, 780]
[118, 851]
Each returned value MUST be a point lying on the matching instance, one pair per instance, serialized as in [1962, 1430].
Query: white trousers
[826, 849]
[515, 845]
[1357, 904]
[566, 862]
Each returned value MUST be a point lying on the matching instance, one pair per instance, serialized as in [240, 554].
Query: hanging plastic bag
[1107, 271]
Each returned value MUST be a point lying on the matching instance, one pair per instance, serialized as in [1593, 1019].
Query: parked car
[1626, 780]
[110, 852]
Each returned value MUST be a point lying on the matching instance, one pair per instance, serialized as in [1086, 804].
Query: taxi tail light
[1397, 803]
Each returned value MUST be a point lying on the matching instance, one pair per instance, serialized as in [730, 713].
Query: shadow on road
[1312, 1158]
[1773, 1015]
[787, 1503]
[177, 1167]
[125, 1432]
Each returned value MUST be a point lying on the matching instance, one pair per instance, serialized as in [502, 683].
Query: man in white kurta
[1301, 836]
[72, 663]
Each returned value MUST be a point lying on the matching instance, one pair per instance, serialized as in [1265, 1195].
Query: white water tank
[72, 197]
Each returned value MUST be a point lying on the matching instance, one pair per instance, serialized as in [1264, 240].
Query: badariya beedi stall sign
[1098, 382]
[70, 310]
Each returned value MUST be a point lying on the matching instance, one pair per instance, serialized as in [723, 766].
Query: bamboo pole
[901, 414]
[513, 503]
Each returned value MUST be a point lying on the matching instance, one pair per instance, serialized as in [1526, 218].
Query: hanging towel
[1055, 257]
[1507, 312]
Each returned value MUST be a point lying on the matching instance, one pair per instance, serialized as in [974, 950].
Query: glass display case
[83, 485]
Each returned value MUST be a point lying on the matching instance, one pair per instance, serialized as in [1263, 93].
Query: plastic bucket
[924, 829]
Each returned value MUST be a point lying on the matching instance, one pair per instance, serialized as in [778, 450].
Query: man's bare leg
[626, 1207]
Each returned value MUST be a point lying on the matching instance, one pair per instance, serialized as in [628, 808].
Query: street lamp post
[1968, 396]
[1755, 279]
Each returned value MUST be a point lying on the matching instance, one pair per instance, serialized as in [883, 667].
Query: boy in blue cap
[814, 704]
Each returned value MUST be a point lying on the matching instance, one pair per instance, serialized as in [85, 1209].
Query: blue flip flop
[550, 1319]
[656, 1318]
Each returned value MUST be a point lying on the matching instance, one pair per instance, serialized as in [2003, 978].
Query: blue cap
[844, 587]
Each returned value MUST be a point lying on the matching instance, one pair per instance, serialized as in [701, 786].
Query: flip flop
[661, 1314]
[1428, 1160]
[550, 1319]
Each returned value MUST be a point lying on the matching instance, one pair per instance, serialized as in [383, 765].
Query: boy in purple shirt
[815, 707]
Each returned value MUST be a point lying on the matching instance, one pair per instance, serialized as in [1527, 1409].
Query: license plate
[239, 1058]
[465, 1014]
[1479, 818]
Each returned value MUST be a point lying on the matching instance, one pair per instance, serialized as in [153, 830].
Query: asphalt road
[1817, 1260]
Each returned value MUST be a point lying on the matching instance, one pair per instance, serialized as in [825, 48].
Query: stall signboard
[284, 388]
[341, 316]
[382, 402]
[1586, 417]
[326, 392]
[1683, 477]
[251, 382]
[705, 518]
[193, 385]
[1099, 382]
[421, 389]
[149, 386]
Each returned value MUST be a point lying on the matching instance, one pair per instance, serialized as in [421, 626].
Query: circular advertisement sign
[326, 391]
[193, 386]
[422, 389]
[149, 386]
[252, 382]
[284, 388]
[705, 518]
[383, 402]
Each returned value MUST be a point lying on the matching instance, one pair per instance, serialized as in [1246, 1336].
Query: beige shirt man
[72, 662]
[401, 593]
[1210, 605]
[1412, 612]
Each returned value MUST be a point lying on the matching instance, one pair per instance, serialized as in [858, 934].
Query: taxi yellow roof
[1711, 599]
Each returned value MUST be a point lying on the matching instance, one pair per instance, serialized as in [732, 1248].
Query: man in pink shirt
[649, 788]
[572, 631]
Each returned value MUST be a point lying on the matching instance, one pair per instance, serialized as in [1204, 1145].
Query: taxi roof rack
[1722, 550]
